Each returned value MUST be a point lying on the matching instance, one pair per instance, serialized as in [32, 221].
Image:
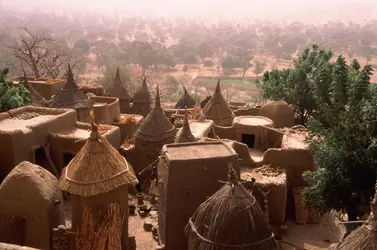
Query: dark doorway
[40, 158]
[249, 140]
[67, 157]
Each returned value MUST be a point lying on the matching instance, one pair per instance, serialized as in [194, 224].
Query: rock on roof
[217, 109]
[70, 96]
[156, 126]
[185, 134]
[35, 98]
[185, 101]
[142, 94]
[231, 209]
[96, 169]
[117, 89]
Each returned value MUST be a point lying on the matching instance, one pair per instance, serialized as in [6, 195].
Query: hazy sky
[212, 8]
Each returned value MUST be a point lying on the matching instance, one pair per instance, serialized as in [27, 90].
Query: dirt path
[144, 240]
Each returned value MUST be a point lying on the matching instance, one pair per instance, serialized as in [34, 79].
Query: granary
[217, 109]
[92, 88]
[155, 131]
[35, 99]
[141, 100]
[31, 206]
[118, 90]
[97, 177]
[279, 112]
[71, 97]
[184, 134]
[188, 173]
[185, 101]
[44, 136]
[230, 219]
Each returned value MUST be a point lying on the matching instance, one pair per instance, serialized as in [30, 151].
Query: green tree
[258, 67]
[343, 140]
[189, 58]
[11, 96]
[208, 63]
[81, 47]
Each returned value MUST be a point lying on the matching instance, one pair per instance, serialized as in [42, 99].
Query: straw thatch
[97, 168]
[230, 219]
[185, 101]
[117, 89]
[364, 237]
[217, 109]
[35, 98]
[156, 126]
[70, 96]
[142, 94]
[185, 134]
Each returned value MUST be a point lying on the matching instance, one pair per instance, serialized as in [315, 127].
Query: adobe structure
[230, 219]
[35, 99]
[72, 97]
[185, 101]
[96, 177]
[184, 134]
[155, 131]
[44, 136]
[141, 100]
[92, 88]
[118, 90]
[279, 112]
[31, 206]
[217, 109]
[187, 174]
[45, 87]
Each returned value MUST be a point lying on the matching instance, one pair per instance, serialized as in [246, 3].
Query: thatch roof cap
[117, 89]
[35, 98]
[217, 109]
[185, 134]
[96, 169]
[185, 100]
[231, 218]
[142, 94]
[156, 126]
[70, 96]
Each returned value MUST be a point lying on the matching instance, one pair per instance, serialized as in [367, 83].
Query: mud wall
[124, 105]
[274, 138]
[83, 114]
[190, 182]
[47, 89]
[7, 153]
[110, 112]
[248, 111]
[225, 132]
[98, 204]
[140, 109]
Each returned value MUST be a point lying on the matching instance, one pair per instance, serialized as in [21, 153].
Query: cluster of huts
[92, 147]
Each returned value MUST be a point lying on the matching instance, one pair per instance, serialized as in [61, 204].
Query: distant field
[247, 83]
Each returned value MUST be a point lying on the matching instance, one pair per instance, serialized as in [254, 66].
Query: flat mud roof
[198, 150]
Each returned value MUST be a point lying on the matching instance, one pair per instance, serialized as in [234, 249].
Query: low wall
[225, 132]
[274, 138]
[111, 111]
[248, 111]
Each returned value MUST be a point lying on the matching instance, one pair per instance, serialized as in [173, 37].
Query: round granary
[279, 112]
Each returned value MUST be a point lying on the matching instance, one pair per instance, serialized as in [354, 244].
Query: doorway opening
[40, 158]
[67, 157]
[248, 139]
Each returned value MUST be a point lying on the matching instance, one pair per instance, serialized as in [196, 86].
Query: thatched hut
[230, 219]
[118, 90]
[184, 134]
[217, 109]
[72, 97]
[364, 237]
[30, 208]
[185, 101]
[141, 100]
[155, 131]
[279, 112]
[35, 99]
[97, 176]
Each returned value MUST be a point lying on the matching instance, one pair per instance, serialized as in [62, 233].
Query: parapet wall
[225, 132]
[107, 113]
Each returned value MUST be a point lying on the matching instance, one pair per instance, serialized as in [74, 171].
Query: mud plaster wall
[108, 113]
[127, 130]
[141, 109]
[6, 154]
[294, 161]
[124, 105]
[260, 133]
[274, 138]
[243, 153]
[249, 111]
[225, 132]
[83, 114]
[190, 182]
[47, 89]
[100, 202]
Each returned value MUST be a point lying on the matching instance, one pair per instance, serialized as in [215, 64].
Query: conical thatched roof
[185, 101]
[217, 109]
[156, 126]
[185, 135]
[70, 96]
[230, 219]
[117, 89]
[142, 94]
[35, 98]
[364, 237]
[97, 168]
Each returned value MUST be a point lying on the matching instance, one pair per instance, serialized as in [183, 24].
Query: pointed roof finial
[157, 101]
[232, 175]
[94, 134]
[70, 84]
[217, 90]
[117, 74]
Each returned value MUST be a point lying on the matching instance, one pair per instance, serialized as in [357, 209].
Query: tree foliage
[11, 96]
